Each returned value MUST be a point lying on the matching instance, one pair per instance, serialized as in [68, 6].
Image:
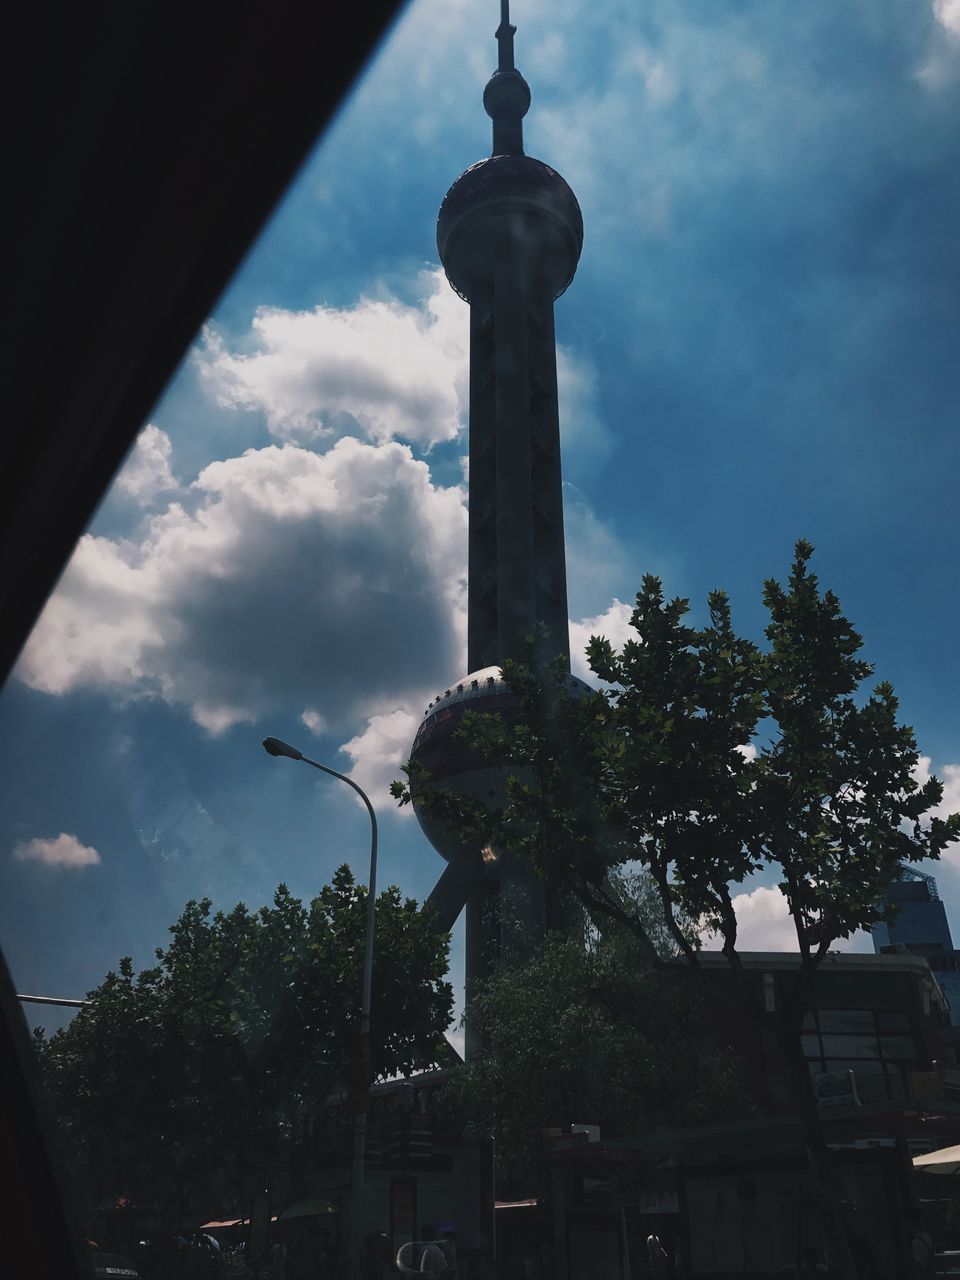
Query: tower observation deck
[509, 234]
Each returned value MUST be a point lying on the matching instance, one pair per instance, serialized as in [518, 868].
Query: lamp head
[274, 747]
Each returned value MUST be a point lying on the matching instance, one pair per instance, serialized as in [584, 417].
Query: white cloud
[613, 624]
[947, 13]
[597, 562]
[748, 751]
[378, 752]
[939, 71]
[765, 924]
[146, 474]
[546, 58]
[582, 432]
[379, 368]
[314, 721]
[64, 850]
[326, 581]
[949, 775]
[659, 81]
[942, 68]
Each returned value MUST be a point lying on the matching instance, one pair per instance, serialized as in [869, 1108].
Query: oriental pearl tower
[509, 234]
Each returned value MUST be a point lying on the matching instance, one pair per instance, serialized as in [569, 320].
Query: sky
[761, 344]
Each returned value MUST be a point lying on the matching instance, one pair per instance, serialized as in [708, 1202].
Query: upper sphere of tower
[515, 197]
[507, 93]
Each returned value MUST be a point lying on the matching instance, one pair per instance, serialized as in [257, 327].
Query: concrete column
[481, 947]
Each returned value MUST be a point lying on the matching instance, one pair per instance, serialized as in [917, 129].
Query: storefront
[733, 1200]
[419, 1171]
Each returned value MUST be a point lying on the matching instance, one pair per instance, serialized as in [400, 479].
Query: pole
[355, 1215]
[68, 1004]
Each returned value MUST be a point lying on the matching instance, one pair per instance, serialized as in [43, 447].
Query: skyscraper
[921, 927]
[509, 236]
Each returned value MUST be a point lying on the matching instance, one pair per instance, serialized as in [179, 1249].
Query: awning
[228, 1222]
[946, 1160]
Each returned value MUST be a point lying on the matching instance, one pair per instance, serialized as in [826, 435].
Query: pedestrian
[659, 1262]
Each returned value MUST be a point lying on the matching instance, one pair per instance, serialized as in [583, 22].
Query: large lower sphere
[452, 764]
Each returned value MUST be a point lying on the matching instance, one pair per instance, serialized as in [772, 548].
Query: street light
[274, 747]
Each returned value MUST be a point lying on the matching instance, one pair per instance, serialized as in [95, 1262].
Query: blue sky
[760, 344]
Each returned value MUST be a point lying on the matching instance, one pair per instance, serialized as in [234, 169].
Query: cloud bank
[327, 581]
[380, 368]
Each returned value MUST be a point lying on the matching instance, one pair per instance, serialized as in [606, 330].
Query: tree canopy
[705, 759]
[583, 1031]
[187, 1075]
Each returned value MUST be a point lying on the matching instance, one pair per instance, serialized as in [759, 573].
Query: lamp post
[274, 747]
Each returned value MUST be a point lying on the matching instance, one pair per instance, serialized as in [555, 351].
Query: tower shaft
[517, 574]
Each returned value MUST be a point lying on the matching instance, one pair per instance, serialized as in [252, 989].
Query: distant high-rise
[921, 927]
[509, 235]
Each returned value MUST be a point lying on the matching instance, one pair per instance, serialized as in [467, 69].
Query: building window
[876, 1046]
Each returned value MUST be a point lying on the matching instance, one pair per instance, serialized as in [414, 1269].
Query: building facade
[920, 927]
[736, 1198]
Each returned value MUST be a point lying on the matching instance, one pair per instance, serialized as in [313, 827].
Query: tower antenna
[505, 33]
[507, 95]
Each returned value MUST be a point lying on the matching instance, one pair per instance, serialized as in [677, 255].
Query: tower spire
[505, 33]
[506, 98]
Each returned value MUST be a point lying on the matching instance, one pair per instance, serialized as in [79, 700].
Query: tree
[659, 768]
[583, 1031]
[187, 1076]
